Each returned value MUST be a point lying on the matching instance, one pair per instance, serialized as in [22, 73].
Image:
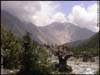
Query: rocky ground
[84, 67]
[80, 67]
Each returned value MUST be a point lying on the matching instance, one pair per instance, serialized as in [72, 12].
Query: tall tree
[27, 55]
[33, 57]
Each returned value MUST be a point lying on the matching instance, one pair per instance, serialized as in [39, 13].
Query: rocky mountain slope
[53, 34]
[18, 27]
[65, 32]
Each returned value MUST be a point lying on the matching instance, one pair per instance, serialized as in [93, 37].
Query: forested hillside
[89, 46]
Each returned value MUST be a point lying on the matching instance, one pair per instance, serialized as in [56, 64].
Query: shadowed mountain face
[55, 33]
[18, 27]
[92, 42]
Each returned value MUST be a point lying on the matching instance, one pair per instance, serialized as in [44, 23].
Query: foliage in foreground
[10, 49]
[23, 54]
[34, 58]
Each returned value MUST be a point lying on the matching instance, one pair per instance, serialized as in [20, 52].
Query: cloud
[84, 17]
[22, 9]
[37, 12]
[59, 17]
[43, 17]
[42, 13]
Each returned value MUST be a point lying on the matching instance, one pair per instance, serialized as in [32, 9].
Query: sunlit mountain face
[66, 32]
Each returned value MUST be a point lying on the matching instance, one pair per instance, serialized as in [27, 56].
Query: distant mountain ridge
[66, 32]
[92, 42]
[53, 34]
[18, 27]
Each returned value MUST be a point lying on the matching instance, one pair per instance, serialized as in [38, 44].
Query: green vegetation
[10, 49]
[34, 58]
[93, 42]
[23, 54]
[85, 51]
[30, 57]
[89, 48]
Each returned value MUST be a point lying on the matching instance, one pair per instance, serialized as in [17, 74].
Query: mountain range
[53, 34]
[92, 42]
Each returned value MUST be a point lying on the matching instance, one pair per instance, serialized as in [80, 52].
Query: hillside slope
[19, 28]
[61, 33]
[92, 42]
[53, 34]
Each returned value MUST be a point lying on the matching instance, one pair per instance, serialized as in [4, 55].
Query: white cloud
[43, 17]
[22, 9]
[84, 17]
[43, 13]
[37, 12]
[59, 17]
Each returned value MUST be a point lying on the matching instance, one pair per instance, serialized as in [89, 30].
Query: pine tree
[27, 56]
[34, 58]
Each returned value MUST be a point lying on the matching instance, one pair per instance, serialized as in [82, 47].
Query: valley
[39, 42]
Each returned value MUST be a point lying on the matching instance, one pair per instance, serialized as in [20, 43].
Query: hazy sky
[42, 13]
